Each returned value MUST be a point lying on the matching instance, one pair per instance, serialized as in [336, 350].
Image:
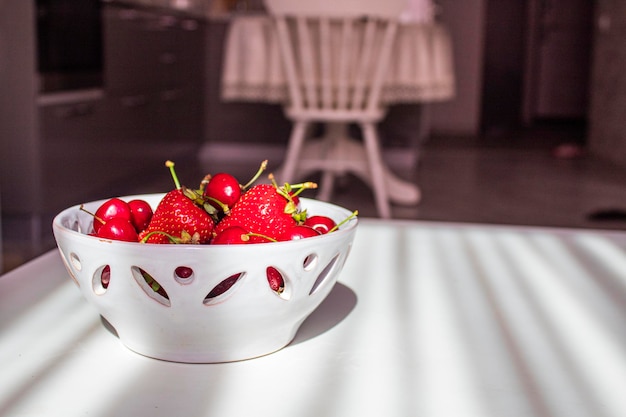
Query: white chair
[335, 56]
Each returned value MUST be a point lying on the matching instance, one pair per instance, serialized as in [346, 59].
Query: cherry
[322, 224]
[275, 279]
[140, 214]
[299, 232]
[237, 235]
[105, 276]
[112, 208]
[118, 228]
[233, 235]
[224, 188]
[183, 272]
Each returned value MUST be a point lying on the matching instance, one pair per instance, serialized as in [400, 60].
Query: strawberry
[180, 217]
[275, 279]
[265, 209]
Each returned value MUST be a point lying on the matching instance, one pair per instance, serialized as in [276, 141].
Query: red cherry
[224, 188]
[299, 232]
[112, 208]
[322, 224]
[105, 276]
[233, 235]
[183, 272]
[140, 214]
[118, 229]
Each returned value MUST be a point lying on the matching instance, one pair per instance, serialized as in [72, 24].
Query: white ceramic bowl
[247, 321]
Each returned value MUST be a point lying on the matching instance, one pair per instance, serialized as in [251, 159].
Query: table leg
[337, 153]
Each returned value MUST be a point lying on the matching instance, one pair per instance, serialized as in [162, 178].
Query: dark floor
[508, 178]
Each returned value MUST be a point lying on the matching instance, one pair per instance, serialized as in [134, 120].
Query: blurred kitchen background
[96, 95]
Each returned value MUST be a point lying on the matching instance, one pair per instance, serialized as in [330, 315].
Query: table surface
[427, 319]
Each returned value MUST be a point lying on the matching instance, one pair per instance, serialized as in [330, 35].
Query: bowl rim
[57, 225]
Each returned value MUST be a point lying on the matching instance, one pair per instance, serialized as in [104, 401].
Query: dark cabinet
[70, 122]
[153, 73]
[150, 106]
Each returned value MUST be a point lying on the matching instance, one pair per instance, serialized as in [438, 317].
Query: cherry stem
[350, 217]
[204, 182]
[256, 176]
[170, 165]
[270, 239]
[82, 208]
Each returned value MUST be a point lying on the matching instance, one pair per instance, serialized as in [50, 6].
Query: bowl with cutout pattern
[184, 321]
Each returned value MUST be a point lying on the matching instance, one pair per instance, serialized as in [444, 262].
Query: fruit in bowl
[236, 294]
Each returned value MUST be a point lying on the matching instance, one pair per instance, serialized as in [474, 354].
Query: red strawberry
[275, 279]
[266, 210]
[179, 218]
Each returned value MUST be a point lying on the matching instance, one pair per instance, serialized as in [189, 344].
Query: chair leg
[294, 148]
[327, 184]
[375, 161]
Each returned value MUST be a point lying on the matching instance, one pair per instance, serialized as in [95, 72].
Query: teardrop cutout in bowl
[326, 272]
[150, 286]
[222, 288]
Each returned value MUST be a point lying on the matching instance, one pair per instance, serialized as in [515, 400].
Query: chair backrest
[335, 52]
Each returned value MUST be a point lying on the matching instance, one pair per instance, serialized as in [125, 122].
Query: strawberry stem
[303, 186]
[172, 239]
[170, 165]
[224, 207]
[283, 191]
[184, 238]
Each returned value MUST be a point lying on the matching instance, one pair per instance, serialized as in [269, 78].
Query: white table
[427, 320]
[421, 71]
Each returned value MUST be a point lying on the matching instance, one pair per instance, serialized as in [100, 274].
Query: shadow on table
[336, 307]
